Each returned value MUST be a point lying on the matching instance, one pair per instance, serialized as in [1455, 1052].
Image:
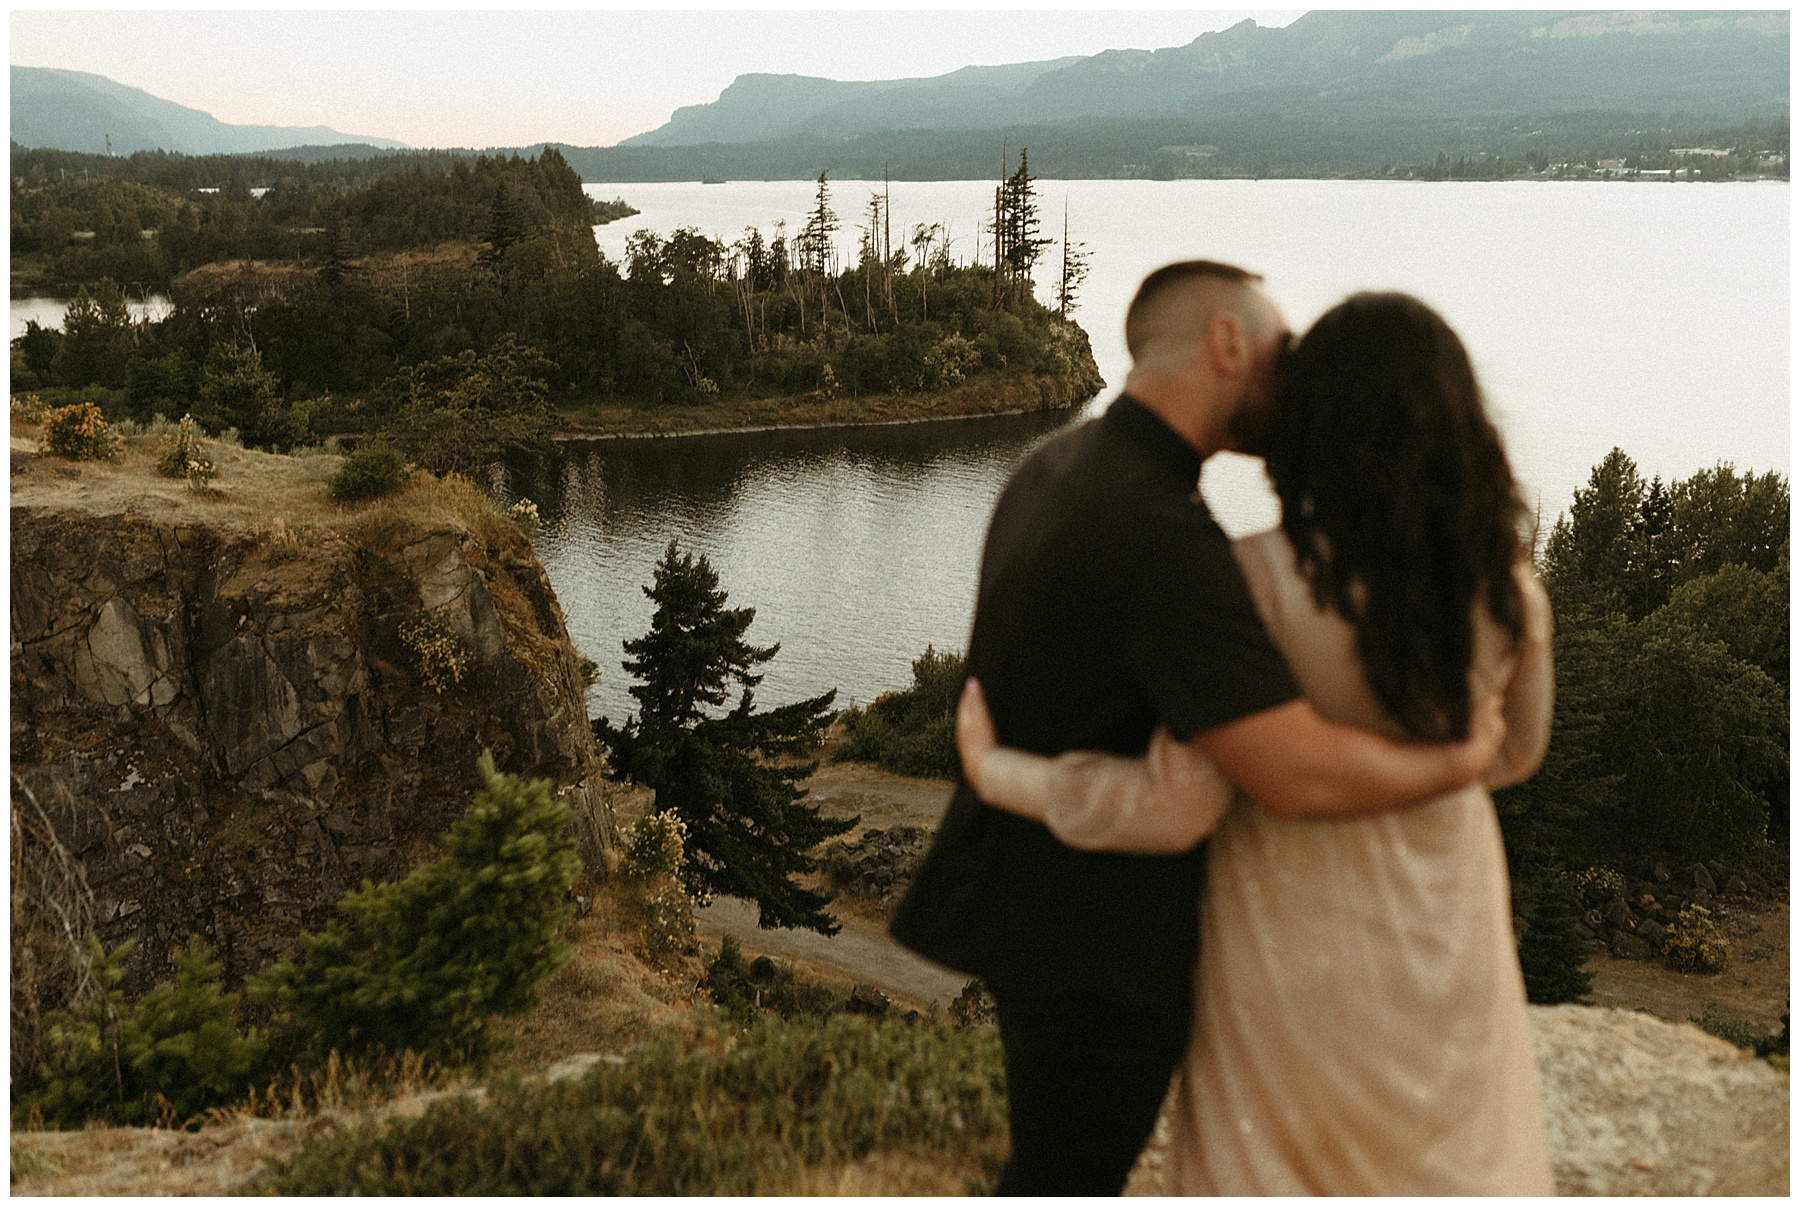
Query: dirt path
[861, 951]
[882, 798]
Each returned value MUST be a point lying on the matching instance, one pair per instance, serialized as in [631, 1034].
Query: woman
[1360, 1018]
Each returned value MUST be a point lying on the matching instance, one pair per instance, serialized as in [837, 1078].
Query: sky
[479, 78]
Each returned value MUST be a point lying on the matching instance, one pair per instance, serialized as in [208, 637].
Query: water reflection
[856, 546]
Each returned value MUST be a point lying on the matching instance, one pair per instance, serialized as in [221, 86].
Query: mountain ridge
[69, 110]
[1453, 64]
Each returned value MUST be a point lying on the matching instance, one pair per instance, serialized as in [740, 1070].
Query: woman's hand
[975, 736]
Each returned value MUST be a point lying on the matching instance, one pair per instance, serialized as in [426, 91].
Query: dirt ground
[882, 798]
[1754, 986]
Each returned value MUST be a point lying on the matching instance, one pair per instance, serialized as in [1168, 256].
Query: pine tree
[334, 253]
[1022, 246]
[1552, 951]
[426, 963]
[815, 240]
[1075, 259]
[506, 225]
[748, 831]
[178, 1049]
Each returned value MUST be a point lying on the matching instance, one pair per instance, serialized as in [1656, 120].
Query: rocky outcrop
[229, 727]
[1638, 1106]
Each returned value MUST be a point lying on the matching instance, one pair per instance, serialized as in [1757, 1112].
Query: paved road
[861, 951]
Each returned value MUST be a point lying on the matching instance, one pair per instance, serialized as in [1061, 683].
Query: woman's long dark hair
[1379, 445]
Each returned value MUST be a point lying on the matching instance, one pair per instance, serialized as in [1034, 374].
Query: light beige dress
[1360, 1022]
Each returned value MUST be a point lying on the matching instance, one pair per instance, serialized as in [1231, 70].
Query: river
[1650, 316]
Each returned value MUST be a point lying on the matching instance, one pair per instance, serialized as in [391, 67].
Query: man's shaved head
[1173, 305]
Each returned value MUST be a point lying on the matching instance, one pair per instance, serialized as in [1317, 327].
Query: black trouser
[1085, 1076]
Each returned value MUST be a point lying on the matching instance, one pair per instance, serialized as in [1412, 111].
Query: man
[1109, 602]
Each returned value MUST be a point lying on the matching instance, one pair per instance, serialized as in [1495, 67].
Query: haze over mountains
[1332, 93]
[77, 110]
[1452, 64]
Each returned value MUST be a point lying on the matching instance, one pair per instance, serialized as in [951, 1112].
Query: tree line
[146, 220]
[1669, 745]
[1299, 146]
[516, 312]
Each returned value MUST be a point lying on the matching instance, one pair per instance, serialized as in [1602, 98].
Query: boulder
[866, 999]
[1627, 946]
[1702, 878]
[1619, 915]
[1638, 1106]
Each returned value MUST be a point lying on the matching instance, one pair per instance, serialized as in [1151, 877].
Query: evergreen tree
[334, 255]
[426, 963]
[179, 1045]
[97, 338]
[1075, 258]
[815, 238]
[1018, 245]
[236, 391]
[1552, 951]
[749, 832]
[506, 225]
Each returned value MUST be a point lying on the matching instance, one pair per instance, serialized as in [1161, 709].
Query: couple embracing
[1330, 701]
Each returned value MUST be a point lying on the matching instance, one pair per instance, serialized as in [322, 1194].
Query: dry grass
[282, 499]
[605, 999]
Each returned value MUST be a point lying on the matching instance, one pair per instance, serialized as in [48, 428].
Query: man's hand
[1487, 732]
[1295, 763]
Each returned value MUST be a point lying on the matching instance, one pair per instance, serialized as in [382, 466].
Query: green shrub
[28, 408]
[748, 990]
[180, 456]
[714, 1116]
[372, 470]
[912, 732]
[425, 964]
[1730, 1028]
[1695, 943]
[79, 432]
[170, 1055]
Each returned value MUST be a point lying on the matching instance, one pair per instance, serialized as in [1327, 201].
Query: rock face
[1637, 1106]
[230, 730]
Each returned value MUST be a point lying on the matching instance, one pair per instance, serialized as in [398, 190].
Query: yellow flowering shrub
[438, 651]
[79, 432]
[1695, 944]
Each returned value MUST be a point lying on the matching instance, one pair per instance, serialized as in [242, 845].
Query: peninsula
[458, 307]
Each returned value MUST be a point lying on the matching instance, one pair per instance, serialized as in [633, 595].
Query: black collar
[1146, 428]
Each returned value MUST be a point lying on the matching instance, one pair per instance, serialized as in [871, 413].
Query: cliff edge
[231, 707]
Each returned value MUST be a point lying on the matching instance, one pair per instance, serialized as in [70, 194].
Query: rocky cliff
[232, 708]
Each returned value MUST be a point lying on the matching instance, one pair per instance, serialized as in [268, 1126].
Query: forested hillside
[146, 219]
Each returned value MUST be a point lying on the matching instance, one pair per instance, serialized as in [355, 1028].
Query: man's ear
[1227, 345]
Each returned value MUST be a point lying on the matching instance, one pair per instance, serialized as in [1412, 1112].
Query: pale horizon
[511, 78]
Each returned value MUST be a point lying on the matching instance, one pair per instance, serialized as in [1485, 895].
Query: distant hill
[760, 107]
[1334, 66]
[76, 110]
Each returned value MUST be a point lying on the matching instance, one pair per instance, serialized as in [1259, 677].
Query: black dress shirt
[1109, 602]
